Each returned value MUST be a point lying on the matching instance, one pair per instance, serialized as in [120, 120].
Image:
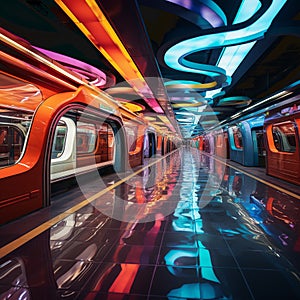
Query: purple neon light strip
[97, 77]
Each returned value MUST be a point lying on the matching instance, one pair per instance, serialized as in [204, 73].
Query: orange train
[282, 131]
[54, 126]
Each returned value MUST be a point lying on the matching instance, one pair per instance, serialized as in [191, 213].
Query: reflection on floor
[185, 228]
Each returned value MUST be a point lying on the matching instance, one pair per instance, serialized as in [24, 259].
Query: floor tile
[121, 278]
[145, 255]
[170, 278]
[211, 244]
[271, 284]
[179, 257]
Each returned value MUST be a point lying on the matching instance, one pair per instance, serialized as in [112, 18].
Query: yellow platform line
[48, 224]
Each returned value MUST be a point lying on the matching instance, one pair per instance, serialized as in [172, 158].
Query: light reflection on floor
[198, 230]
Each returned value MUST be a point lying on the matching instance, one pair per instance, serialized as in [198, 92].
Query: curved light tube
[237, 100]
[208, 10]
[194, 85]
[92, 22]
[184, 104]
[175, 56]
[80, 67]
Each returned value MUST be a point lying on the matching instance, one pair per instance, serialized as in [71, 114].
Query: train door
[236, 144]
[168, 146]
[207, 144]
[20, 186]
[146, 150]
[159, 142]
[163, 147]
[259, 146]
[152, 143]
[283, 150]
[226, 143]
[221, 147]
[82, 143]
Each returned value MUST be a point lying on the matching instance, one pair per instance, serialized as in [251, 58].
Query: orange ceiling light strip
[89, 18]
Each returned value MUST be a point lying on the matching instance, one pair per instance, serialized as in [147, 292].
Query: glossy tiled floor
[185, 228]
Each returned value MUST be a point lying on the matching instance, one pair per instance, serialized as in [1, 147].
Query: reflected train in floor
[275, 212]
[77, 245]
[219, 242]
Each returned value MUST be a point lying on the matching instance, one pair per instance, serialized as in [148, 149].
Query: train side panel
[246, 143]
[221, 144]
[30, 174]
[283, 144]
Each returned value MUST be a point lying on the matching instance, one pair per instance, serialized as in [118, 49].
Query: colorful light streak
[184, 104]
[89, 18]
[237, 100]
[83, 69]
[37, 56]
[175, 56]
[182, 84]
[207, 9]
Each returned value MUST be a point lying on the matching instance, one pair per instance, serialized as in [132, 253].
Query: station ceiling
[203, 62]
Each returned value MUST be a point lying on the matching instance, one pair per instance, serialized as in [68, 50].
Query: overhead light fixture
[236, 101]
[175, 57]
[184, 104]
[89, 18]
[207, 9]
[90, 73]
[167, 122]
[184, 84]
[232, 56]
[277, 95]
[7, 38]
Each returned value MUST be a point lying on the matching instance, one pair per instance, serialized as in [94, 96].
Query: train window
[131, 137]
[111, 143]
[219, 140]
[12, 137]
[14, 123]
[284, 137]
[11, 144]
[4, 151]
[111, 139]
[237, 137]
[86, 137]
[59, 139]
